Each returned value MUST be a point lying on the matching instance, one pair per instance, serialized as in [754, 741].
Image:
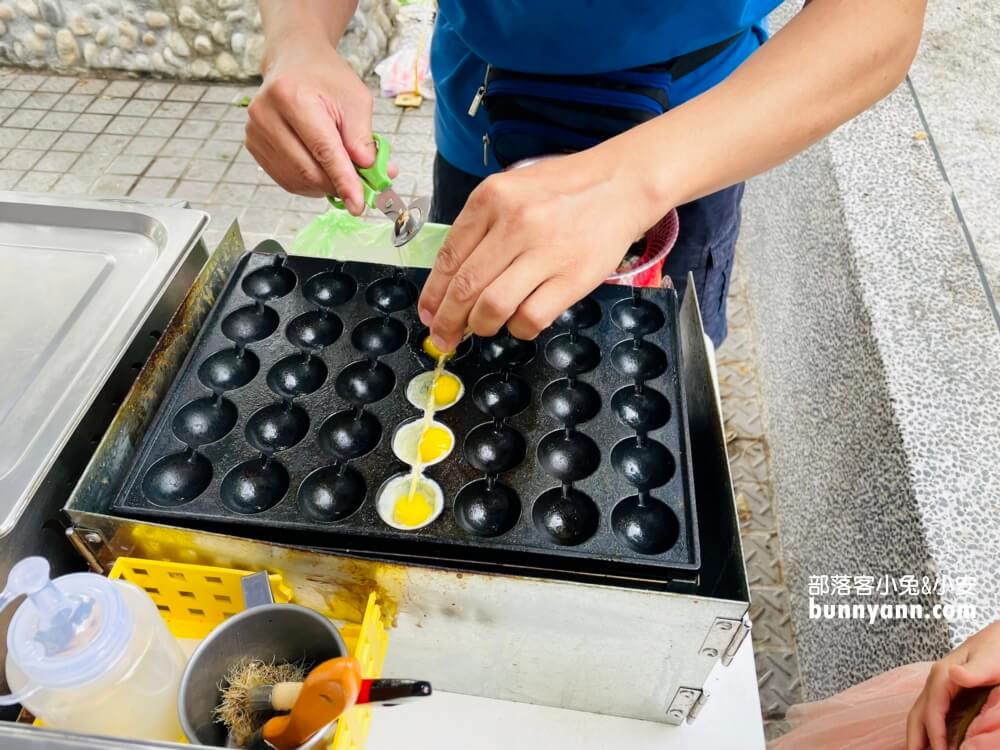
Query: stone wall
[199, 39]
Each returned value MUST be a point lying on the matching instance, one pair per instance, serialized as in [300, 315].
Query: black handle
[392, 692]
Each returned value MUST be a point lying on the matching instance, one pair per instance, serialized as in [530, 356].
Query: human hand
[311, 121]
[528, 244]
[976, 663]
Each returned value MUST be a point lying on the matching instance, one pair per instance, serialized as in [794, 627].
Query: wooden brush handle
[284, 695]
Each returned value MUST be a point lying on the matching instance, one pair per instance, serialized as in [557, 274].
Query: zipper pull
[476, 101]
[480, 93]
[486, 149]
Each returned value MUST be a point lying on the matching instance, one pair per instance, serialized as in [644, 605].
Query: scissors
[378, 194]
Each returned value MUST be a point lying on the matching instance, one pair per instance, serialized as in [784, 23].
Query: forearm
[833, 60]
[286, 21]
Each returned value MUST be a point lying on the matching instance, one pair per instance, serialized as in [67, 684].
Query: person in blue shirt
[527, 243]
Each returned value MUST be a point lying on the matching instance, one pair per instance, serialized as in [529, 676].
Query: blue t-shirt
[567, 37]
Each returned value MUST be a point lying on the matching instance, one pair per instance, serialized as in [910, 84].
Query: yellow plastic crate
[193, 599]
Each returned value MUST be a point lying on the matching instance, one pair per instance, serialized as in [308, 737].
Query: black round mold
[492, 448]
[177, 479]
[204, 421]
[640, 360]
[646, 466]
[277, 427]
[566, 516]
[314, 330]
[297, 375]
[568, 456]
[584, 314]
[641, 409]
[331, 494]
[391, 294]
[378, 337]
[571, 402]
[365, 382]
[501, 397]
[254, 486]
[505, 351]
[229, 369]
[417, 346]
[572, 355]
[329, 289]
[638, 317]
[645, 525]
[270, 282]
[487, 511]
[347, 435]
[246, 325]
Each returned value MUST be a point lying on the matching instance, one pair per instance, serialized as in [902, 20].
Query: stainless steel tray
[80, 277]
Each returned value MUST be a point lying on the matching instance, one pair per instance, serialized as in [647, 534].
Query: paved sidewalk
[158, 139]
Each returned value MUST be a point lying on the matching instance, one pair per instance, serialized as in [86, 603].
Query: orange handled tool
[328, 691]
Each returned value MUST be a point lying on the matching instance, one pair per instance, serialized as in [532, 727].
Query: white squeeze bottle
[91, 655]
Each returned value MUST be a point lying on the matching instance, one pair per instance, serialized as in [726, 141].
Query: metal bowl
[280, 632]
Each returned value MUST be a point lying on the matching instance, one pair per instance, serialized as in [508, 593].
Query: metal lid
[80, 277]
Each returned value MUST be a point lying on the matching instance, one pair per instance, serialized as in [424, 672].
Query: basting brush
[250, 698]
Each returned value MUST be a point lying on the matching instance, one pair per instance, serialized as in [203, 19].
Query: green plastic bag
[341, 236]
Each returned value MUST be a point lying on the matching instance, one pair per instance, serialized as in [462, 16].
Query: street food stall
[182, 419]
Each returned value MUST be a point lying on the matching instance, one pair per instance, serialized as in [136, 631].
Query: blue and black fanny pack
[533, 115]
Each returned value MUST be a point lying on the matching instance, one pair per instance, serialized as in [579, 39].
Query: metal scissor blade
[409, 222]
[389, 203]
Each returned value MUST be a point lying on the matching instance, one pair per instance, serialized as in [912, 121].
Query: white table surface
[729, 721]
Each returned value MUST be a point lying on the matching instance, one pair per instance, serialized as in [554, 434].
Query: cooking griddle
[571, 451]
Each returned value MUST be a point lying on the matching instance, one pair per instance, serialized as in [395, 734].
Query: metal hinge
[687, 704]
[91, 545]
[724, 639]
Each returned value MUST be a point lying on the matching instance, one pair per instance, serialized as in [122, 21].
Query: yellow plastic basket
[193, 599]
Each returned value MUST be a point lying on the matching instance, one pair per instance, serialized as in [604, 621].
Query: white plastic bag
[406, 71]
[407, 68]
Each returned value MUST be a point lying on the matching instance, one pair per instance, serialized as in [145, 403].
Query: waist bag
[533, 115]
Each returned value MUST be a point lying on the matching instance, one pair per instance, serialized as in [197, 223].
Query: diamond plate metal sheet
[748, 461]
[761, 554]
[742, 418]
[774, 728]
[773, 638]
[753, 503]
[778, 682]
[770, 615]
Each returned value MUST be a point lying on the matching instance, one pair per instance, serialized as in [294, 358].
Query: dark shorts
[705, 246]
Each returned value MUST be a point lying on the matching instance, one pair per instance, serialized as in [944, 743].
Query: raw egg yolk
[446, 389]
[433, 352]
[434, 443]
[412, 510]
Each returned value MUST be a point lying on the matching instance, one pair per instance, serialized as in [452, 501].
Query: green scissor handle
[374, 179]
